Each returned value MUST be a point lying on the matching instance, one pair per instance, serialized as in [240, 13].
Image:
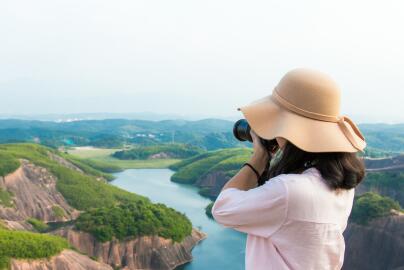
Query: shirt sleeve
[260, 211]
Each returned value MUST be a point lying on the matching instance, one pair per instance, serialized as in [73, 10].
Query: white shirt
[293, 221]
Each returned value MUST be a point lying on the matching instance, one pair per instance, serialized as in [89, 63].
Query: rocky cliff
[213, 183]
[148, 252]
[34, 194]
[67, 259]
[378, 245]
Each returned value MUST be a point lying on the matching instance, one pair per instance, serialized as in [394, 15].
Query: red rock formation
[214, 181]
[34, 195]
[67, 259]
[148, 252]
[378, 245]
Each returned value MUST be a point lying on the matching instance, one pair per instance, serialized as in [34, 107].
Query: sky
[196, 58]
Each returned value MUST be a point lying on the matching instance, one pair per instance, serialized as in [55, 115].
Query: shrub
[58, 211]
[6, 198]
[38, 225]
[370, 206]
[135, 219]
[388, 183]
[8, 164]
[208, 210]
[28, 245]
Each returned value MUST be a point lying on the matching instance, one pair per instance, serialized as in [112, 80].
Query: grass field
[92, 152]
[101, 154]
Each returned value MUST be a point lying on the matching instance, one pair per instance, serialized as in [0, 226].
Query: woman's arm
[246, 179]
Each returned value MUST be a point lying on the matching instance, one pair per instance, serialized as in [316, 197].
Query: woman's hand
[261, 156]
[245, 179]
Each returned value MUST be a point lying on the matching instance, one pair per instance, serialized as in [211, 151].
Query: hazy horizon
[195, 59]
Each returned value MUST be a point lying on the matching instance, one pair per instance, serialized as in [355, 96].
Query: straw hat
[304, 108]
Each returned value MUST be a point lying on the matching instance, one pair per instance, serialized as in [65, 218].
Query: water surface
[222, 249]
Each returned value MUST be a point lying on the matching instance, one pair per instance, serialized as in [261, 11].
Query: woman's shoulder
[310, 198]
[297, 179]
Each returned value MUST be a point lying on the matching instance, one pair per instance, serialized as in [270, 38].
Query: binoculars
[241, 131]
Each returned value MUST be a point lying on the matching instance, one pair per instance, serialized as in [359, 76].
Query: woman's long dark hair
[339, 169]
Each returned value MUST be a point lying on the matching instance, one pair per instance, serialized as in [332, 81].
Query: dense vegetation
[117, 208]
[208, 134]
[208, 210]
[226, 160]
[94, 167]
[82, 191]
[58, 211]
[370, 206]
[171, 150]
[8, 163]
[6, 198]
[38, 225]
[136, 219]
[27, 245]
[387, 184]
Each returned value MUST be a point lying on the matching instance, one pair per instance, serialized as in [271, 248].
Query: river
[222, 249]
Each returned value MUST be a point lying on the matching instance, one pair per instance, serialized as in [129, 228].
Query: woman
[295, 220]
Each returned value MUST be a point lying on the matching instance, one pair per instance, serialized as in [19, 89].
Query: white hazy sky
[196, 57]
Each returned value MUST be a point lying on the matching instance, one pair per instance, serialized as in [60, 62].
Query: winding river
[222, 249]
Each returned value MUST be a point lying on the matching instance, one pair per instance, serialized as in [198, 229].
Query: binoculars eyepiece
[241, 131]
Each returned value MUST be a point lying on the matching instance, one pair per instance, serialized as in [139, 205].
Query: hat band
[318, 116]
[341, 120]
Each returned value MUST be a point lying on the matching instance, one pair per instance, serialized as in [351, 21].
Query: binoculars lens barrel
[241, 130]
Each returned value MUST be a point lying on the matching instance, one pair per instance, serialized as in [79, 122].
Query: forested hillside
[209, 134]
[179, 151]
[42, 189]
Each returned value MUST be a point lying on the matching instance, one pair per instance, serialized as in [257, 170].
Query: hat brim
[269, 120]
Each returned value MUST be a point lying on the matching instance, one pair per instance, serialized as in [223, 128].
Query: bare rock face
[214, 181]
[34, 195]
[147, 252]
[378, 245]
[67, 259]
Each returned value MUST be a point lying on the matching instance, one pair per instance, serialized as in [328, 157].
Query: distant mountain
[150, 116]
[210, 133]
[207, 133]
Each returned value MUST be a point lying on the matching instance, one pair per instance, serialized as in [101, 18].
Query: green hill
[28, 245]
[226, 160]
[370, 206]
[178, 151]
[102, 202]
[82, 191]
[386, 183]
[136, 219]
